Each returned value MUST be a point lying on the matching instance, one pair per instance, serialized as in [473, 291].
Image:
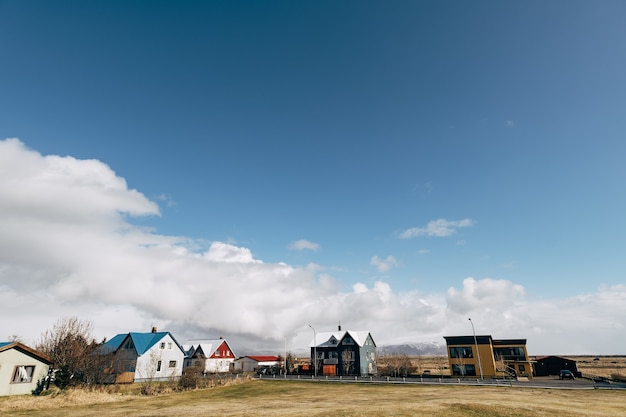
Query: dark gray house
[344, 353]
[552, 365]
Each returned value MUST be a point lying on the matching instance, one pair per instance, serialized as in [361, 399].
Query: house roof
[323, 339]
[468, 340]
[261, 358]
[142, 341]
[26, 350]
[208, 346]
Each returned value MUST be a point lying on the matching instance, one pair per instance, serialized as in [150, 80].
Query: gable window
[158, 366]
[172, 364]
[162, 345]
[169, 346]
[129, 344]
[348, 341]
[333, 341]
[23, 373]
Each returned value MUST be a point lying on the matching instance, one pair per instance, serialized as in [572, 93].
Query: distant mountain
[414, 349]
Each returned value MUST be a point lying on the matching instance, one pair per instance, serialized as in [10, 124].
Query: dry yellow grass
[300, 398]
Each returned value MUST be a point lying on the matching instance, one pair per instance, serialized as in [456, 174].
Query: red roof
[264, 358]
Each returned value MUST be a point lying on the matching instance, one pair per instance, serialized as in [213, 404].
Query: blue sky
[445, 152]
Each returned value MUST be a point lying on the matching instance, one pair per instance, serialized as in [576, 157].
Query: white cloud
[510, 123]
[303, 245]
[423, 251]
[383, 265]
[223, 252]
[67, 248]
[437, 228]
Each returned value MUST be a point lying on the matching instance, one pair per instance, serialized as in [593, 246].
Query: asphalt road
[539, 382]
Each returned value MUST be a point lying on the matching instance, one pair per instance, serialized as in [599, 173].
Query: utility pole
[477, 352]
[314, 351]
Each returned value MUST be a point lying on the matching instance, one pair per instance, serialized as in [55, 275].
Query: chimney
[339, 327]
[154, 329]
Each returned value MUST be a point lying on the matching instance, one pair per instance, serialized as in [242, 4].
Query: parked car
[566, 374]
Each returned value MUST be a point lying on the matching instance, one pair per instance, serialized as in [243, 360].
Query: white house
[137, 357]
[20, 368]
[212, 355]
[252, 363]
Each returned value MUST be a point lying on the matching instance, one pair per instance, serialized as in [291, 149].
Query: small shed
[20, 368]
[553, 365]
[252, 363]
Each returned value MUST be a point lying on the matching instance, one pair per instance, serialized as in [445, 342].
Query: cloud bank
[68, 247]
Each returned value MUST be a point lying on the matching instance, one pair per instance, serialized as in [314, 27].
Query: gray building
[344, 353]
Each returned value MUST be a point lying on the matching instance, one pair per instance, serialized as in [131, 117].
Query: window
[162, 345]
[23, 373]
[463, 370]
[158, 366]
[522, 368]
[128, 344]
[461, 352]
[169, 346]
[333, 355]
[333, 341]
[509, 353]
[217, 353]
[348, 341]
[172, 364]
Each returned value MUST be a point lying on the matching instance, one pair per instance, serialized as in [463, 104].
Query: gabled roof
[260, 358]
[325, 339]
[26, 350]
[142, 341]
[209, 346]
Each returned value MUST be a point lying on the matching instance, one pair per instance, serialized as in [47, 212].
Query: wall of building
[148, 368]
[9, 360]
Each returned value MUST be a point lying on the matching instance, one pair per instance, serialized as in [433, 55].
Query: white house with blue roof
[140, 357]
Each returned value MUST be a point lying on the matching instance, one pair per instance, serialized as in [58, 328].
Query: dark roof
[26, 350]
[501, 342]
[482, 340]
[467, 340]
[541, 358]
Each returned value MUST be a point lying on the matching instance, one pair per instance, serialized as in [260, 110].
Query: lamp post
[314, 351]
[476, 344]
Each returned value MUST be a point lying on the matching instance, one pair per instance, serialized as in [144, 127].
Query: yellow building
[487, 357]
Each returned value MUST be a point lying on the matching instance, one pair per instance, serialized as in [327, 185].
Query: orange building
[487, 357]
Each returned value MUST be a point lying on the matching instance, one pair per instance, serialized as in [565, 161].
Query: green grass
[312, 399]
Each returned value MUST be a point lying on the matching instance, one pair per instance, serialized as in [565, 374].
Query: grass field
[291, 398]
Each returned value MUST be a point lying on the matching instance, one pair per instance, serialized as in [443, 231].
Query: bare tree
[347, 358]
[71, 346]
[397, 365]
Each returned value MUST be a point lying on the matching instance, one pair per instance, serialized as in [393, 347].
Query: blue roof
[5, 343]
[142, 341]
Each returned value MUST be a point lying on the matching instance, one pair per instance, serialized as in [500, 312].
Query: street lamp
[314, 350]
[477, 352]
